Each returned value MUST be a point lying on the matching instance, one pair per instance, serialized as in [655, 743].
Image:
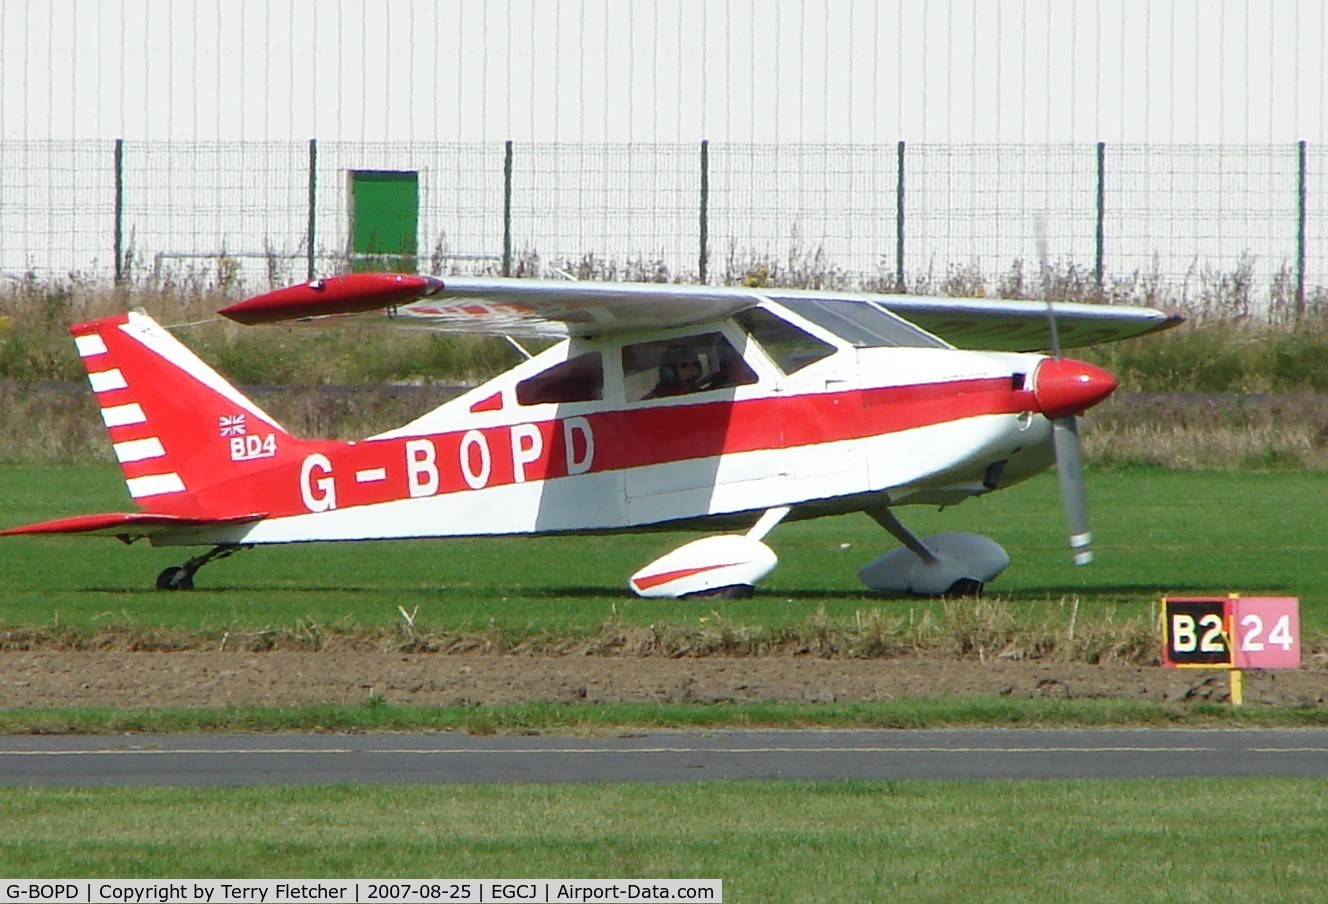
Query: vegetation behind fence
[1182, 224]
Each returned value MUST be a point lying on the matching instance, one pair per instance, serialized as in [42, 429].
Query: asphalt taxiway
[252, 759]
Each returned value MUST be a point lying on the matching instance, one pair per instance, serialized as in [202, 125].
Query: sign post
[1233, 633]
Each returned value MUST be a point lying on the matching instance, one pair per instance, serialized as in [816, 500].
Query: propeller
[1063, 388]
[1070, 470]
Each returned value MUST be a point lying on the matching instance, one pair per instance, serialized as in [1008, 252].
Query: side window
[673, 367]
[579, 379]
[791, 348]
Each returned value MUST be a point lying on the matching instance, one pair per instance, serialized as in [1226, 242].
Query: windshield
[861, 323]
[791, 347]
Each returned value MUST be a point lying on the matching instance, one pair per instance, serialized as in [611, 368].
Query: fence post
[507, 209]
[1300, 231]
[899, 223]
[705, 208]
[1101, 212]
[119, 212]
[313, 203]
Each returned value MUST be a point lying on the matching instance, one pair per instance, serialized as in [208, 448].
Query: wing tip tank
[352, 293]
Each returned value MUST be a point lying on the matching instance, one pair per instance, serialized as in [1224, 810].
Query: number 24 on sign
[1231, 632]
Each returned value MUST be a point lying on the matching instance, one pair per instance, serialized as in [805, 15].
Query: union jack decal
[231, 425]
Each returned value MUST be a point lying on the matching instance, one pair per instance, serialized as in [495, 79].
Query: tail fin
[176, 425]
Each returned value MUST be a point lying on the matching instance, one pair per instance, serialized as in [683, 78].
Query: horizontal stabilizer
[126, 525]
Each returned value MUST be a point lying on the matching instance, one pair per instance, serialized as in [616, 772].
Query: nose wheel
[181, 577]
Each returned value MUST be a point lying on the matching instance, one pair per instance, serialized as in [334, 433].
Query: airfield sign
[1231, 632]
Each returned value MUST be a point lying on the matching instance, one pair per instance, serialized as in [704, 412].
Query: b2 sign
[1231, 632]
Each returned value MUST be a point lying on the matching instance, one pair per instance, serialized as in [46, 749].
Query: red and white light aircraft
[664, 406]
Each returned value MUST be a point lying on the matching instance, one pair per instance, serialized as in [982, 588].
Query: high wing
[1014, 325]
[543, 308]
[527, 308]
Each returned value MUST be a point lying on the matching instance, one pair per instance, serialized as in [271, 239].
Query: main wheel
[175, 578]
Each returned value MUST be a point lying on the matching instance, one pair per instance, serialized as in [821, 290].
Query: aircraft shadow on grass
[621, 593]
[1151, 591]
[232, 588]
[810, 595]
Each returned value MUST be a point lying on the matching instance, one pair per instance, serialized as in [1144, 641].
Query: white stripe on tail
[185, 437]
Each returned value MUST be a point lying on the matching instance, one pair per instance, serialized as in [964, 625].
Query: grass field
[1158, 532]
[1148, 840]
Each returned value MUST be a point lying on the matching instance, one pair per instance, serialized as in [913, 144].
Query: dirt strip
[61, 679]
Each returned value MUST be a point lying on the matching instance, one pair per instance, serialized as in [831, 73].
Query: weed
[480, 722]
[986, 629]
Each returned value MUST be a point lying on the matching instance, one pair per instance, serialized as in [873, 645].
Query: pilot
[680, 372]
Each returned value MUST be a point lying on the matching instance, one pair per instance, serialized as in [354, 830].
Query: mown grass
[1145, 840]
[1158, 533]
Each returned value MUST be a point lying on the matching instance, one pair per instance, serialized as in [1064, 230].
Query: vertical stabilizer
[177, 427]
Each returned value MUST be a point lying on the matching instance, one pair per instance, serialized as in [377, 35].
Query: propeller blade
[1045, 273]
[1070, 470]
[1065, 433]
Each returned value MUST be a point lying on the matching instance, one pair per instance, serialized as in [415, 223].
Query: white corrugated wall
[1200, 104]
[779, 71]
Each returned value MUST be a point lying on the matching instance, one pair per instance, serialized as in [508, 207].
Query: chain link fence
[1238, 227]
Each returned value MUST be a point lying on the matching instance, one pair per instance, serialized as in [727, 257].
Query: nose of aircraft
[1063, 386]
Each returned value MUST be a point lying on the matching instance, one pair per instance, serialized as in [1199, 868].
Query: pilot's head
[689, 369]
[680, 365]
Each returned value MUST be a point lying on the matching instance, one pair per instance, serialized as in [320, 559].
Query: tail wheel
[181, 577]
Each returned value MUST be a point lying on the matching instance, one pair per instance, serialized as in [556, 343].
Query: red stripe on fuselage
[488, 457]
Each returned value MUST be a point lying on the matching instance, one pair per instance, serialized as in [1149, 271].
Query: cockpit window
[790, 348]
[862, 323]
[682, 366]
[579, 379]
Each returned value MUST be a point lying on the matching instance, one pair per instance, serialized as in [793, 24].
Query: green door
[384, 220]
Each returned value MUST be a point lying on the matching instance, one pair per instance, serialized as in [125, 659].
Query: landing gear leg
[954, 564]
[181, 577]
[886, 518]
